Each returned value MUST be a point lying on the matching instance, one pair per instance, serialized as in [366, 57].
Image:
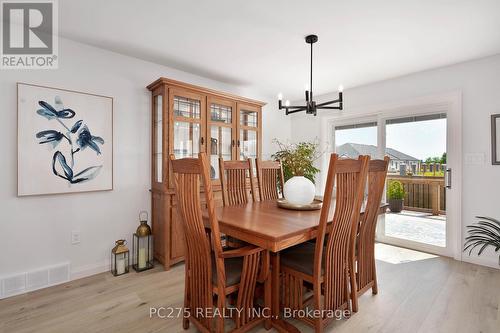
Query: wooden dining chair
[364, 263]
[325, 266]
[269, 178]
[210, 271]
[233, 177]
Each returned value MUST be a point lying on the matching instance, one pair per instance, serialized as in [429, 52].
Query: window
[357, 139]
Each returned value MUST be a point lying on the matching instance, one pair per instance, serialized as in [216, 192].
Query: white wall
[480, 85]
[35, 231]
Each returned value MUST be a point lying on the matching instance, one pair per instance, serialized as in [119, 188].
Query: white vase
[299, 190]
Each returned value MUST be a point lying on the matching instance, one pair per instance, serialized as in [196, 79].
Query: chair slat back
[350, 179]
[188, 173]
[377, 174]
[269, 175]
[233, 176]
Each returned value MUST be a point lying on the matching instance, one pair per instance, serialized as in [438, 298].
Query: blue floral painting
[65, 141]
[74, 133]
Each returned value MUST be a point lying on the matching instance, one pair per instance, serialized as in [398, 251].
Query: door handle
[448, 178]
[238, 143]
[202, 141]
[232, 143]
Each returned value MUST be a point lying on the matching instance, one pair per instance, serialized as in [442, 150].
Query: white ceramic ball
[299, 190]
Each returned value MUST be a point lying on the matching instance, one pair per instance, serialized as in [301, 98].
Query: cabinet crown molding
[203, 90]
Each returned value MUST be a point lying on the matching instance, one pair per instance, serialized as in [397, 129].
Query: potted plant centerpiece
[395, 196]
[298, 169]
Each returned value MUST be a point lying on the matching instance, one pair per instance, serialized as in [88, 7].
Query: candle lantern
[143, 245]
[119, 258]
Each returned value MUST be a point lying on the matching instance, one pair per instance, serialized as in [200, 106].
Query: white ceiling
[259, 44]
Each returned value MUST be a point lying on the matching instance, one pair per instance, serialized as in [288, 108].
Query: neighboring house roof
[353, 150]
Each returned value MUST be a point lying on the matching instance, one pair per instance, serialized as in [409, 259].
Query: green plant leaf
[489, 219]
[483, 234]
[484, 247]
[395, 190]
[489, 226]
[477, 230]
[298, 159]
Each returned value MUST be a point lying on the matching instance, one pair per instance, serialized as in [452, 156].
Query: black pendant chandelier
[311, 107]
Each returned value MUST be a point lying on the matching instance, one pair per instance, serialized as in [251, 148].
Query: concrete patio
[417, 226]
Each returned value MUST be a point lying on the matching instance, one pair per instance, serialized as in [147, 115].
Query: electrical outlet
[75, 237]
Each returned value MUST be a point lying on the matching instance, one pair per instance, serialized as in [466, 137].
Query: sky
[420, 139]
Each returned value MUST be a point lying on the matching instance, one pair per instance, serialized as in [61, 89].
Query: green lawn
[431, 174]
[426, 174]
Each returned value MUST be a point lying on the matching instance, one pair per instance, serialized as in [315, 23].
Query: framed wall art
[495, 139]
[65, 141]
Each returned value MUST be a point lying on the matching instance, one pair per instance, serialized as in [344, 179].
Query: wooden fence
[432, 168]
[423, 194]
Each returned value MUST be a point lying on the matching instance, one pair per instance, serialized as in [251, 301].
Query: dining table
[273, 228]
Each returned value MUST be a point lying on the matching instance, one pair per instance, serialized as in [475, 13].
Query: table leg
[268, 296]
[279, 324]
[275, 276]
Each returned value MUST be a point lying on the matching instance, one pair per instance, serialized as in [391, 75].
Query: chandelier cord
[311, 79]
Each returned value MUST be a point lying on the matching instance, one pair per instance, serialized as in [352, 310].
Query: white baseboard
[482, 261]
[89, 270]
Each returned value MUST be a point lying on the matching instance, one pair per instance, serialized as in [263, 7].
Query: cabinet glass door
[158, 139]
[248, 144]
[220, 130]
[248, 132]
[187, 130]
[186, 139]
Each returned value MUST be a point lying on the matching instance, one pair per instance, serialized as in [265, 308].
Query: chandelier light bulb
[280, 96]
[341, 88]
[287, 103]
[306, 87]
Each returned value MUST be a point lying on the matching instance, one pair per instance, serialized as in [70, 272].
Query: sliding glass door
[417, 147]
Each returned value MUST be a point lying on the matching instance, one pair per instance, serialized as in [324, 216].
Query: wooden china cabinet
[186, 120]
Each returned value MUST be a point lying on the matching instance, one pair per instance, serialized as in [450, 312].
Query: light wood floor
[417, 293]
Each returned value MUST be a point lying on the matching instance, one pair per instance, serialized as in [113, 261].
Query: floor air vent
[33, 280]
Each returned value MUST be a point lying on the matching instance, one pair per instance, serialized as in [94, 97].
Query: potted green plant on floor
[299, 170]
[395, 195]
[483, 234]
